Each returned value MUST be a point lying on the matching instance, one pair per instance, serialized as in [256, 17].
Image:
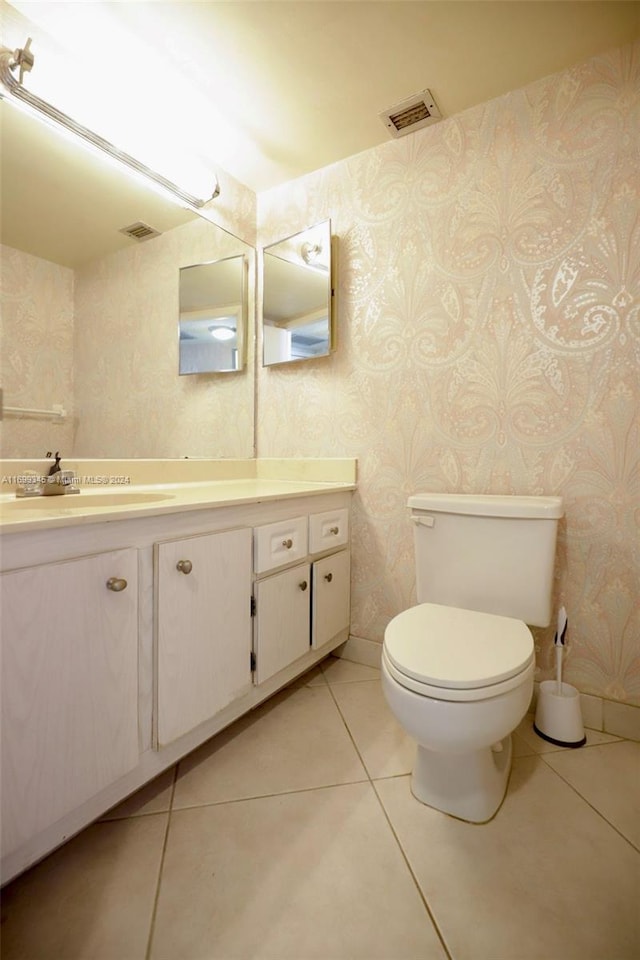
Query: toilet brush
[558, 714]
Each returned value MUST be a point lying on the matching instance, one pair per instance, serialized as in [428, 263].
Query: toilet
[457, 669]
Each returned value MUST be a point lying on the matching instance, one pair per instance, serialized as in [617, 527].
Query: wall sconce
[13, 91]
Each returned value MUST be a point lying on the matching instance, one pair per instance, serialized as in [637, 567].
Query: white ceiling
[299, 84]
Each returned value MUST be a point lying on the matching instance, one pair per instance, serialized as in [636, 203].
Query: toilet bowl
[459, 682]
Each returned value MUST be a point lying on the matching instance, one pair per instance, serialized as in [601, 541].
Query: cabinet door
[331, 597]
[203, 628]
[282, 620]
[69, 687]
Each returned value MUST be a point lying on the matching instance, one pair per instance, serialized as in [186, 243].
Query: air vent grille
[140, 231]
[411, 114]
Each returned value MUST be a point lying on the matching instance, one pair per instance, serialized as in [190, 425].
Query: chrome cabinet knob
[184, 566]
[303, 585]
[328, 577]
[287, 543]
[117, 584]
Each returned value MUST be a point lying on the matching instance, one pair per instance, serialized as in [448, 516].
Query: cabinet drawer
[327, 530]
[278, 543]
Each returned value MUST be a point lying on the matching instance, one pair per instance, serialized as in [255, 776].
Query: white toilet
[457, 670]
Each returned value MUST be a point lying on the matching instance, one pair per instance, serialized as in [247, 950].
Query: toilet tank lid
[485, 505]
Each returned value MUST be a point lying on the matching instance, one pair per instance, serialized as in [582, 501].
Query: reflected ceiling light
[222, 333]
[13, 91]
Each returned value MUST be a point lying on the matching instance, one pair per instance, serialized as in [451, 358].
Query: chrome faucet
[58, 482]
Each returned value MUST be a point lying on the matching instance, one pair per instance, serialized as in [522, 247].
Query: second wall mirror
[297, 302]
[213, 316]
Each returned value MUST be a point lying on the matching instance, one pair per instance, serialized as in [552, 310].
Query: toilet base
[470, 786]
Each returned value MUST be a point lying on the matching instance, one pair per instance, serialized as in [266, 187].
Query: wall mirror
[89, 314]
[297, 301]
[213, 310]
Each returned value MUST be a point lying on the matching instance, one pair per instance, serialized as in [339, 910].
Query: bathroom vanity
[137, 624]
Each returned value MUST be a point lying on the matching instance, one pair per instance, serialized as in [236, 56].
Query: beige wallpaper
[489, 309]
[129, 397]
[36, 352]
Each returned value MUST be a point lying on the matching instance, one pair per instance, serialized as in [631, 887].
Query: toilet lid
[455, 648]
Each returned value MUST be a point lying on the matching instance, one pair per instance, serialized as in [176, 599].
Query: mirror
[297, 302]
[213, 316]
[89, 313]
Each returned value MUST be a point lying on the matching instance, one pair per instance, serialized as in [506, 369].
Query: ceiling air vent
[411, 114]
[140, 231]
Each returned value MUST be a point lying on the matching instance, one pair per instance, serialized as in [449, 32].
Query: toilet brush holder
[558, 715]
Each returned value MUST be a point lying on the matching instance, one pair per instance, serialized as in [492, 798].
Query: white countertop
[107, 503]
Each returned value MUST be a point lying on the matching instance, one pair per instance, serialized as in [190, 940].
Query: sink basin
[83, 501]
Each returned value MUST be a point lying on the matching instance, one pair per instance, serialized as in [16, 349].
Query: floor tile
[154, 797]
[385, 748]
[313, 677]
[295, 741]
[608, 777]
[337, 670]
[313, 876]
[91, 899]
[546, 879]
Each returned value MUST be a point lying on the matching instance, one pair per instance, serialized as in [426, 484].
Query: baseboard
[359, 650]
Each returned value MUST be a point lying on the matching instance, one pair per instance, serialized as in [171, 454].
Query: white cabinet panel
[328, 530]
[282, 620]
[331, 594]
[203, 628]
[69, 687]
[276, 544]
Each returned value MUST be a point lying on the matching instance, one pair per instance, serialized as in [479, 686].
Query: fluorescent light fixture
[222, 333]
[13, 91]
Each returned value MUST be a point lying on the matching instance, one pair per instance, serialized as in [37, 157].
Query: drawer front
[278, 543]
[327, 530]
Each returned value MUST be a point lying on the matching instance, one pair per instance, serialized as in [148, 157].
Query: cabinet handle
[303, 585]
[328, 577]
[116, 584]
[287, 543]
[335, 530]
[184, 566]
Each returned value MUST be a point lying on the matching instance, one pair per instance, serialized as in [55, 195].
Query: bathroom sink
[82, 501]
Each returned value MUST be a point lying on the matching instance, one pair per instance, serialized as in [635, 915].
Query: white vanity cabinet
[128, 641]
[69, 687]
[305, 606]
[203, 628]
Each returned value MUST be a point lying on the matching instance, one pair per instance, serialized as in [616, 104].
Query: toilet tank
[488, 553]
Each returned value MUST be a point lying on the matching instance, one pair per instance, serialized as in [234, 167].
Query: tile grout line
[589, 804]
[428, 910]
[161, 867]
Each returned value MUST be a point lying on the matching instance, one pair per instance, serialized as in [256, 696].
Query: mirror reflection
[213, 316]
[89, 313]
[297, 296]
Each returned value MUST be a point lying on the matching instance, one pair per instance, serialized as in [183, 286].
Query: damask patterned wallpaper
[36, 351]
[489, 310]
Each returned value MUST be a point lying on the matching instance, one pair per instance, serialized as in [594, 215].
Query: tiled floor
[294, 835]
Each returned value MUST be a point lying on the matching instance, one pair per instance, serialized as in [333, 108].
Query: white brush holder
[558, 715]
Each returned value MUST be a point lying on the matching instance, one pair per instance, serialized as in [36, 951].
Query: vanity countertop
[109, 503]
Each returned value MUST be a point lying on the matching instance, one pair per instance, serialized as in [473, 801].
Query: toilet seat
[448, 653]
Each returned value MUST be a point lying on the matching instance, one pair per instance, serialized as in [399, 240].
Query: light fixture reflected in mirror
[298, 296]
[222, 333]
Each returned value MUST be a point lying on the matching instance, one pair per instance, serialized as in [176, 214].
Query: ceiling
[285, 88]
